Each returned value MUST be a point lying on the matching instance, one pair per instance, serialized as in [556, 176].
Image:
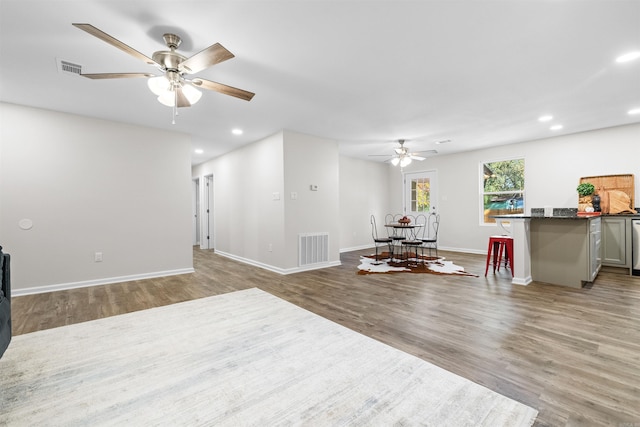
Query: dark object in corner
[5, 302]
[595, 201]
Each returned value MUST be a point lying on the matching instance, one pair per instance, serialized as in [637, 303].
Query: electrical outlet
[97, 257]
[270, 247]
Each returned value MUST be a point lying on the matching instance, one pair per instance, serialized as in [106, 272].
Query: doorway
[207, 210]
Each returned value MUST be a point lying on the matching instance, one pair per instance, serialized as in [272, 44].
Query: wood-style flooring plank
[573, 354]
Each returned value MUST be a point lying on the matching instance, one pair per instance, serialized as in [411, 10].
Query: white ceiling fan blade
[414, 157]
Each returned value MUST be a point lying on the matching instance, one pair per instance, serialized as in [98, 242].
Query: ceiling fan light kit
[172, 88]
[167, 89]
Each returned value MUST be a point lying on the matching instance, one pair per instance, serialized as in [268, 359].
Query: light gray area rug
[246, 358]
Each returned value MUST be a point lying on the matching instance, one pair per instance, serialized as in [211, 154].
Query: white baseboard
[279, 270]
[97, 282]
[358, 248]
[523, 282]
[463, 250]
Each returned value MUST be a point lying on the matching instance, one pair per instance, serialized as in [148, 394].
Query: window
[420, 191]
[502, 188]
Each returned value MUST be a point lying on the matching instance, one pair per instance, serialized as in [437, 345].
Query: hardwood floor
[573, 354]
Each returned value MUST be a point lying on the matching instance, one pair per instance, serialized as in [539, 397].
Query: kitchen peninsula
[561, 249]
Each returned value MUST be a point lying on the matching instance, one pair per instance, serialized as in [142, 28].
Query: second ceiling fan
[403, 156]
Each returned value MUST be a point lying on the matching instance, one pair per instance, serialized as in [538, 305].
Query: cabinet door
[614, 241]
[595, 261]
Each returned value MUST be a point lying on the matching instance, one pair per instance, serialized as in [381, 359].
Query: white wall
[365, 190]
[553, 168]
[91, 186]
[310, 161]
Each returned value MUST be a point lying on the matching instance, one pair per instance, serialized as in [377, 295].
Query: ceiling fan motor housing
[169, 60]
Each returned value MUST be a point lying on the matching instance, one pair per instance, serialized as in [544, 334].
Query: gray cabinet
[565, 251]
[616, 241]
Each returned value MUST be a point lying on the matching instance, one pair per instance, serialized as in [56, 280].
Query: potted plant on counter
[585, 195]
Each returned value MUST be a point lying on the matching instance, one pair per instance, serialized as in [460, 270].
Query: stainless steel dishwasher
[635, 252]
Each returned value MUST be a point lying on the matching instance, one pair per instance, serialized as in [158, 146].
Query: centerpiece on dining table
[404, 220]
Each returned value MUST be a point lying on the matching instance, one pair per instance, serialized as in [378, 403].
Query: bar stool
[498, 245]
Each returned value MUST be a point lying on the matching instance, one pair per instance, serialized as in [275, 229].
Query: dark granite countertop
[564, 213]
[567, 216]
[546, 217]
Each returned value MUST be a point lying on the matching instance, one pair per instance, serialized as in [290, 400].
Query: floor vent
[69, 67]
[314, 248]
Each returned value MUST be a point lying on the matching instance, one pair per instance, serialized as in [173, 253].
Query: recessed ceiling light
[556, 127]
[199, 151]
[237, 131]
[634, 111]
[628, 56]
[545, 118]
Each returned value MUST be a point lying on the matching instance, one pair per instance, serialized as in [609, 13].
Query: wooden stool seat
[497, 246]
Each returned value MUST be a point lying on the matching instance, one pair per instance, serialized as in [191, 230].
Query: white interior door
[420, 192]
[207, 220]
[196, 212]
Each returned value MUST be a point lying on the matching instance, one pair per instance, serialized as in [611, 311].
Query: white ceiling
[364, 73]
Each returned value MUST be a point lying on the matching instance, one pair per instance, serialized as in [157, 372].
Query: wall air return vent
[67, 67]
[313, 248]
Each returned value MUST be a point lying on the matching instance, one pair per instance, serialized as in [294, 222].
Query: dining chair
[380, 241]
[430, 241]
[414, 240]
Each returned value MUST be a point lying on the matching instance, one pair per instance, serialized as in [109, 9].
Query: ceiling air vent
[67, 67]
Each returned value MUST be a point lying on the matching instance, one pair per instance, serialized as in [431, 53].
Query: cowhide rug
[414, 264]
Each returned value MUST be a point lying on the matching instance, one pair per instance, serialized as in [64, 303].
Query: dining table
[402, 231]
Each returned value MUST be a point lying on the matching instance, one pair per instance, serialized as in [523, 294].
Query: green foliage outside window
[503, 188]
[420, 195]
[507, 175]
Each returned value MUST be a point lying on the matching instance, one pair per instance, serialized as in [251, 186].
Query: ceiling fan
[402, 155]
[173, 88]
